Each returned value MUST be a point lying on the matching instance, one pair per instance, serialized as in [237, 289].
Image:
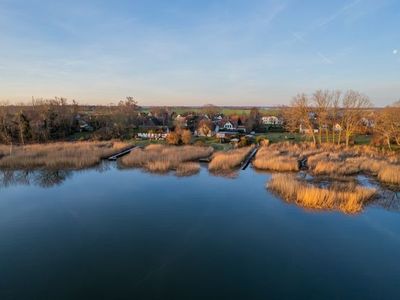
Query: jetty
[249, 158]
[303, 163]
[123, 152]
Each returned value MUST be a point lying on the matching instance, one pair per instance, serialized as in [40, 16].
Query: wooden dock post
[249, 158]
[121, 153]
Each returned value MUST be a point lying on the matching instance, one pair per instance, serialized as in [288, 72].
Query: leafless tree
[300, 114]
[354, 105]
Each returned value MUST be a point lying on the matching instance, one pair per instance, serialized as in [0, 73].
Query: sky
[197, 52]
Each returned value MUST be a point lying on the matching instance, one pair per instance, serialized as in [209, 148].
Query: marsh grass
[188, 169]
[390, 174]
[161, 158]
[347, 197]
[61, 155]
[268, 159]
[229, 160]
[331, 160]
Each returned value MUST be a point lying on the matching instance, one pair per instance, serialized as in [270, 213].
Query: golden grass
[336, 168]
[348, 199]
[390, 174]
[187, 168]
[161, 158]
[61, 155]
[226, 161]
[267, 159]
[331, 160]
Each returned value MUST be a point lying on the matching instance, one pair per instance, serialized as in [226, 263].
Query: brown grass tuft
[348, 199]
[266, 159]
[62, 155]
[188, 169]
[390, 174]
[226, 161]
[161, 158]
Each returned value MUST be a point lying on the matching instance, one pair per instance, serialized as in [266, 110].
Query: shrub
[173, 138]
[186, 136]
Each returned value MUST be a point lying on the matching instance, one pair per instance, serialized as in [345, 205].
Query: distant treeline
[325, 116]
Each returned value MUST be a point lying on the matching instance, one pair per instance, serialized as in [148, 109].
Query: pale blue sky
[196, 52]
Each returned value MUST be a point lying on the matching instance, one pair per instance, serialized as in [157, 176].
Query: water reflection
[43, 178]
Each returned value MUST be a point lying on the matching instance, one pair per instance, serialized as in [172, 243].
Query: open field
[60, 155]
[161, 159]
[348, 198]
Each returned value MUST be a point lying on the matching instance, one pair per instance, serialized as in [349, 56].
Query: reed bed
[390, 174]
[229, 160]
[347, 198]
[61, 155]
[188, 169]
[161, 158]
[331, 160]
[268, 159]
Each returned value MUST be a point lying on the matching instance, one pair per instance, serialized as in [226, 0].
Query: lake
[126, 234]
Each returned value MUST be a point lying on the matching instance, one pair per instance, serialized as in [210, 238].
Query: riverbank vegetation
[162, 158]
[267, 159]
[348, 198]
[229, 160]
[331, 160]
[77, 155]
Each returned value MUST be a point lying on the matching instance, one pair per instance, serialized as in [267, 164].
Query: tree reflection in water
[43, 178]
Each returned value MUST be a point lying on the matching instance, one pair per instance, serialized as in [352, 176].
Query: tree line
[332, 116]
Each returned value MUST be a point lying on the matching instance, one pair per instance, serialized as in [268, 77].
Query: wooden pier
[303, 164]
[249, 158]
[205, 159]
[121, 153]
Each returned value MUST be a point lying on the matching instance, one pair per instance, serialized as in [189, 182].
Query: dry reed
[161, 159]
[61, 155]
[390, 174]
[267, 159]
[226, 161]
[348, 199]
[187, 169]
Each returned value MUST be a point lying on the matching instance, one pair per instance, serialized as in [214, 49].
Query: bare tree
[322, 101]
[354, 105]
[334, 113]
[387, 124]
[300, 115]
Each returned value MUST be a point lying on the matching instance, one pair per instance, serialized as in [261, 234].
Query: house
[218, 118]
[271, 120]
[228, 125]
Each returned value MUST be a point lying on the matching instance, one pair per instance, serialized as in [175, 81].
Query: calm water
[132, 235]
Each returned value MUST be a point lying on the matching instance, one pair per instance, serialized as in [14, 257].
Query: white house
[228, 126]
[271, 120]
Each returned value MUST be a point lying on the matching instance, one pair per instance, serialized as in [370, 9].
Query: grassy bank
[229, 160]
[272, 160]
[61, 155]
[161, 158]
[331, 160]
